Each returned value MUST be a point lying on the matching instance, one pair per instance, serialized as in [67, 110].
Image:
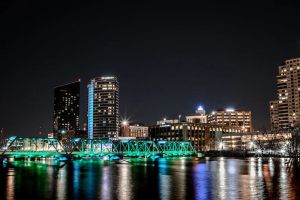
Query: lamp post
[124, 128]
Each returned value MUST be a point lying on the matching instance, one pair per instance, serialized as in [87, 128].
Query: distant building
[231, 118]
[167, 121]
[103, 107]
[69, 135]
[286, 113]
[66, 108]
[199, 117]
[265, 140]
[134, 130]
[204, 137]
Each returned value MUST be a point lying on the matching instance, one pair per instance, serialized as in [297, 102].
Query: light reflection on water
[10, 187]
[106, 183]
[185, 178]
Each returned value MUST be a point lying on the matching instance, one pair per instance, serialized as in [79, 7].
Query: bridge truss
[20, 147]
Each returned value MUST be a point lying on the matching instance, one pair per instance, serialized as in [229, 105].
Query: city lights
[230, 110]
[221, 145]
[200, 108]
[251, 144]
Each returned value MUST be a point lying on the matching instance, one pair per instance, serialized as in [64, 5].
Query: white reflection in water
[259, 168]
[106, 183]
[10, 188]
[61, 184]
[260, 179]
[182, 160]
[180, 180]
[232, 180]
[221, 179]
[283, 180]
[271, 167]
[125, 182]
[252, 178]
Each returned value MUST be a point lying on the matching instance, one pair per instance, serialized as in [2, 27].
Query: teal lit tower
[103, 107]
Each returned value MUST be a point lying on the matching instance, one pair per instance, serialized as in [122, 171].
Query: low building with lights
[204, 137]
[136, 130]
[266, 140]
[167, 121]
[66, 136]
[237, 119]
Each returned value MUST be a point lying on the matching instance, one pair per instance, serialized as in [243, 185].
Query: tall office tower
[66, 108]
[288, 90]
[103, 107]
[232, 118]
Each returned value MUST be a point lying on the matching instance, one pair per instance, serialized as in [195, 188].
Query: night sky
[169, 58]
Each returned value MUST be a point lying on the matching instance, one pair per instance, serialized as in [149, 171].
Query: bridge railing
[106, 146]
[175, 147]
[129, 147]
[32, 146]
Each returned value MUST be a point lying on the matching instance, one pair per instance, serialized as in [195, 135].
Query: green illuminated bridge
[20, 147]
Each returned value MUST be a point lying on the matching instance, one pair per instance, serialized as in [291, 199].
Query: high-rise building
[286, 113]
[274, 115]
[103, 107]
[232, 118]
[66, 108]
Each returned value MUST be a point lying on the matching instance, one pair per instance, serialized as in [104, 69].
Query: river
[173, 178]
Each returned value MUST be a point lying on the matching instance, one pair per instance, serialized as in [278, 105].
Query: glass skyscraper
[103, 107]
[66, 108]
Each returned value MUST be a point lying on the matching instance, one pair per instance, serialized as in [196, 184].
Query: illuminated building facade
[103, 107]
[199, 117]
[204, 137]
[66, 108]
[285, 112]
[134, 130]
[231, 118]
[167, 121]
[274, 118]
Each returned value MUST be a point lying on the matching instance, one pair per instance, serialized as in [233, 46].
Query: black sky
[168, 57]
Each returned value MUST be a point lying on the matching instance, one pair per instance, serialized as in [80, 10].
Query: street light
[124, 123]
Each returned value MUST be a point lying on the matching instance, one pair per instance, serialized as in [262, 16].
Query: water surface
[188, 178]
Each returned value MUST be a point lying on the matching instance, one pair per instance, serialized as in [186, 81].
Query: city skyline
[167, 63]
